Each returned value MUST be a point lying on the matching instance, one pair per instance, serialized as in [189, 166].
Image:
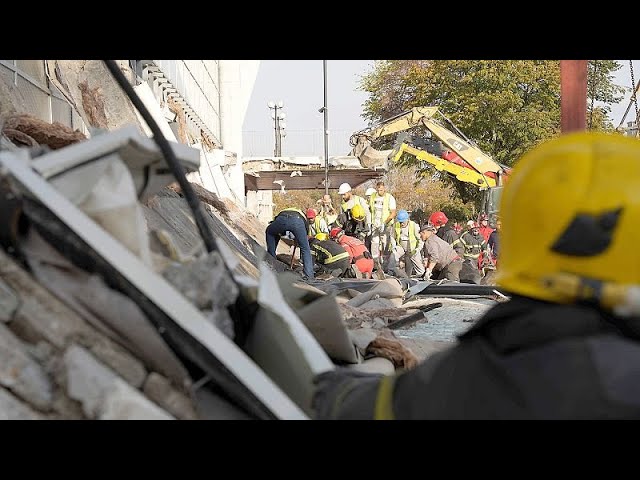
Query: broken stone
[20, 373]
[9, 302]
[159, 390]
[375, 365]
[100, 391]
[205, 282]
[13, 409]
[124, 403]
[121, 361]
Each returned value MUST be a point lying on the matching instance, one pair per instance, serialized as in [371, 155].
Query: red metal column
[573, 95]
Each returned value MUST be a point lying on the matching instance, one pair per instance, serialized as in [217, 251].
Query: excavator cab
[491, 202]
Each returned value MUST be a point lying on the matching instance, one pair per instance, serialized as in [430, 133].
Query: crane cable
[633, 98]
[633, 94]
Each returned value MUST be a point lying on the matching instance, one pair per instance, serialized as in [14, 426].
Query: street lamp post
[277, 115]
[326, 130]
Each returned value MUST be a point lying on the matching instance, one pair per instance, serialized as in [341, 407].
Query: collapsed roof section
[303, 173]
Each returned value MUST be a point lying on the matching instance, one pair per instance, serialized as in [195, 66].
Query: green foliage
[505, 106]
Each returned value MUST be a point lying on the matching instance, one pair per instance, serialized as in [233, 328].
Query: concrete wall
[237, 78]
[218, 91]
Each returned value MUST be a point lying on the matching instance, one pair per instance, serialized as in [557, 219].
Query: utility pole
[278, 126]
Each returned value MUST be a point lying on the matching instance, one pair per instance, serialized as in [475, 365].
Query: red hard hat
[438, 219]
[311, 213]
[335, 231]
[483, 216]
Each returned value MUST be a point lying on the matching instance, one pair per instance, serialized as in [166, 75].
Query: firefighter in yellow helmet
[567, 343]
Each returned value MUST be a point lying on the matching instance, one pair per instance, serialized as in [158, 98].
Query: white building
[200, 102]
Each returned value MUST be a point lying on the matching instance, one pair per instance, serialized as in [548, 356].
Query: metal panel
[310, 179]
[37, 101]
[61, 111]
[7, 75]
[33, 69]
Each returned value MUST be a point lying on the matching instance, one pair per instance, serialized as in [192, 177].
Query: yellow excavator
[449, 152]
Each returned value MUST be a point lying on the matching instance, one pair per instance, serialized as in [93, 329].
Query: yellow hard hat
[357, 212]
[572, 207]
[322, 236]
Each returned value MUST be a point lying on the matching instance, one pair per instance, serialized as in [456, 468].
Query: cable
[175, 166]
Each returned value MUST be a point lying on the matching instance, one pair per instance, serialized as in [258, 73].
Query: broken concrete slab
[122, 362]
[101, 392]
[375, 365]
[324, 320]
[9, 302]
[94, 93]
[13, 409]
[20, 373]
[160, 390]
[124, 403]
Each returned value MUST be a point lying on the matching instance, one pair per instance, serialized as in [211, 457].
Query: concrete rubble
[73, 346]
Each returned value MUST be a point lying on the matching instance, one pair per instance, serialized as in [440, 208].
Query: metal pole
[277, 129]
[326, 131]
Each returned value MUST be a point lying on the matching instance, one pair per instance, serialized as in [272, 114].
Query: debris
[26, 129]
[411, 319]
[394, 350]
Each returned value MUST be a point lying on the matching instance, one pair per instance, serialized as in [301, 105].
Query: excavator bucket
[369, 157]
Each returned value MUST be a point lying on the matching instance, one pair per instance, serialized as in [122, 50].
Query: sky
[300, 85]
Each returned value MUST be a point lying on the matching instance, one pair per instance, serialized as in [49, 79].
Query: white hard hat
[344, 188]
[370, 191]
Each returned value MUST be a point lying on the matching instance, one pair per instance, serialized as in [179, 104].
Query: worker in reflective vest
[330, 256]
[383, 211]
[408, 244]
[317, 223]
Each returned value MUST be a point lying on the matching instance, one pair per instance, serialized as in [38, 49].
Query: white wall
[237, 78]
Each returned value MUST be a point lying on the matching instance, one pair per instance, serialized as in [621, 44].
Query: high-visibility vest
[385, 206]
[324, 255]
[356, 199]
[413, 240]
[317, 226]
[472, 249]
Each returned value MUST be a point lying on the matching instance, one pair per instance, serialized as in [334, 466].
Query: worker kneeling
[330, 256]
[440, 259]
[357, 251]
[567, 343]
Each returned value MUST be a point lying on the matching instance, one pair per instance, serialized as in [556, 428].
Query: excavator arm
[472, 166]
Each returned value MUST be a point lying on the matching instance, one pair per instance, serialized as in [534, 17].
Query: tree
[600, 88]
[505, 106]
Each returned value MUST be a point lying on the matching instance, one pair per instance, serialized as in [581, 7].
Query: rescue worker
[349, 200]
[484, 228]
[567, 344]
[317, 223]
[354, 225]
[294, 221]
[494, 241]
[330, 256]
[408, 244]
[440, 259]
[383, 211]
[445, 232]
[474, 245]
[357, 250]
[327, 210]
